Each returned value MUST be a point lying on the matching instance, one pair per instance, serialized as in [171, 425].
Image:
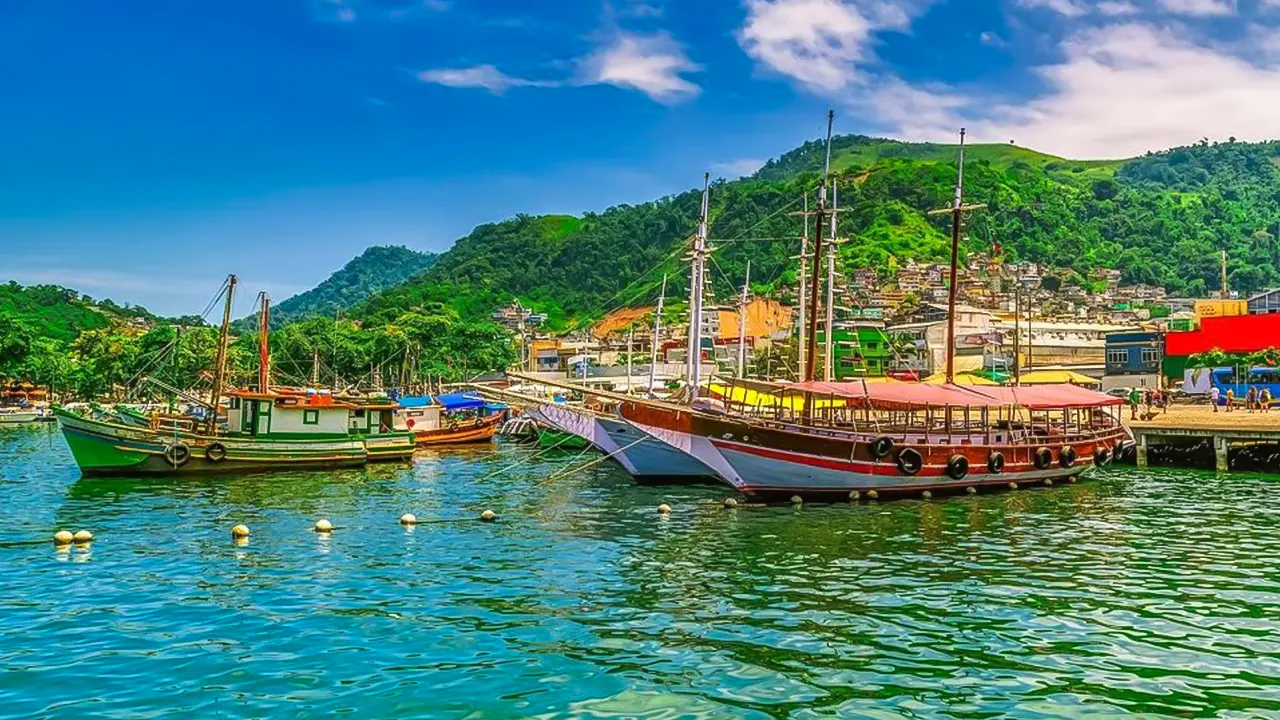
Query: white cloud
[819, 43]
[1070, 8]
[1199, 7]
[1118, 92]
[653, 64]
[348, 11]
[1118, 8]
[741, 167]
[487, 77]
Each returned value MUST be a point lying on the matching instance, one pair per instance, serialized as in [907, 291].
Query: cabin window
[359, 413]
[235, 403]
[310, 417]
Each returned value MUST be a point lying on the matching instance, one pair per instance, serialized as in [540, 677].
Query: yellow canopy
[963, 378]
[1057, 377]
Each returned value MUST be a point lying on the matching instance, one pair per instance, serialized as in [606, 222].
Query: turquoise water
[1153, 592]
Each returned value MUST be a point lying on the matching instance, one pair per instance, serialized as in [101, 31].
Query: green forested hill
[376, 269]
[60, 313]
[1160, 219]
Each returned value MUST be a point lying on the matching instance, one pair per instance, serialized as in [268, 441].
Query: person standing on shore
[1264, 400]
[1215, 396]
[1231, 399]
[1250, 399]
[1135, 398]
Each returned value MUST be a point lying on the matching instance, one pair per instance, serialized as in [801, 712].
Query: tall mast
[697, 281]
[956, 208]
[631, 338]
[315, 368]
[804, 264]
[657, 331]
[264, 342]
[829, 346]
[742, 324]
[815, 283]
[220, 364]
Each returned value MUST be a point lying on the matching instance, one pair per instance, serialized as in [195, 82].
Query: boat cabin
[284, 415]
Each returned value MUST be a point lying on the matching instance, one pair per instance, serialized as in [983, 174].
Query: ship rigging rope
[530, 458]
[597, 461]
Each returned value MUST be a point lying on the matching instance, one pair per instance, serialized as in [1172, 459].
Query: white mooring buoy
[971, 490]
[408, 519]
[83, 536]
[664, 509]
[730, 503]
[323, 526]
[873, 494]
[62, 537]
[855, 496]
[488, 516]
[926, 495]
[797, 500]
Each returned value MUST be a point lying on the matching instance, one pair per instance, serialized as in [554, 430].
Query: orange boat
[449, 419]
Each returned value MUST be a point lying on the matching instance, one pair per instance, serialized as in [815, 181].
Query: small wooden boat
[550, 438]
[449, 419]
[21, 415]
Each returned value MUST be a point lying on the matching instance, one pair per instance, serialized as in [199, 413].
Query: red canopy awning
[908, 395]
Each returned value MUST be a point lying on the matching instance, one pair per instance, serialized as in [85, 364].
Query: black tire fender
[1102, 456]
[957, 466]
[910, 461]
[995, 463]
[1043, 458]
[1067, 456]
[881, 446]
[216, 452]
[177, 454]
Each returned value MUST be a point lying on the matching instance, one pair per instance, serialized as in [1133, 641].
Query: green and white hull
[104, 448]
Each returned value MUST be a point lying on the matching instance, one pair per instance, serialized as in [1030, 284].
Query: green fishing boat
[549, 437]
[264, 429]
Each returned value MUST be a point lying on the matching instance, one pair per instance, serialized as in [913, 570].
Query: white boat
[16, 415]
[643, 456]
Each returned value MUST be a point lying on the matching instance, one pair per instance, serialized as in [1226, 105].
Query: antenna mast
[829, 345]
[804, 265]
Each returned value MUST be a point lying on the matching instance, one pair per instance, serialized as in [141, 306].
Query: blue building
[1133, 359]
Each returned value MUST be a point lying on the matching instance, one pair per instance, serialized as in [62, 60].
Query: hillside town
[1011, 318]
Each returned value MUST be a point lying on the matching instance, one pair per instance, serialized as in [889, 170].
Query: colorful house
[862, 349]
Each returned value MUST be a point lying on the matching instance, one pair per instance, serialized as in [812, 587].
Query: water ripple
[1150, 593]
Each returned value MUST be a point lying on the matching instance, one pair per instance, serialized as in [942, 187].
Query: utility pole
[220, 363]
[1017, 330]
[815, 283]
[1225, 294]
[697, 282]
[657, 331]
[742, 324]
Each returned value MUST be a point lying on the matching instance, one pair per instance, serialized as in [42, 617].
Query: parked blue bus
[1238, 381]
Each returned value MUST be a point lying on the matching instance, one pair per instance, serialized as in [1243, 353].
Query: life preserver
[1043, 458]
[177, 454]
[995, 463]
[479, 422]
[1102, 456]
[216, 452]
[881, 446]
[409, 423]
[910, 461]
[957, 466]
[1067, 456]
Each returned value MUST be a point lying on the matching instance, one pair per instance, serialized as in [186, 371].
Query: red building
[1237, 335]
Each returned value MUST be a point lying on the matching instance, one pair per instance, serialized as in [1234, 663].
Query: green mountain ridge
[1160, 219]
[378, 268]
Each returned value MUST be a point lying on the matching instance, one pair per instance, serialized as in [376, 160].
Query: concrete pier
[1184, 425]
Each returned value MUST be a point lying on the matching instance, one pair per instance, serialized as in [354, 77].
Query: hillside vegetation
[1160, 219]
[376, 269]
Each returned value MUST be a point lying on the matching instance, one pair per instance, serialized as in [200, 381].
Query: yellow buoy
[488, 516]
[926, 495]
[62, 537]
[971, 490]
[323, 526]
[797, 500]
[408, 519]
[240, 531]
[873, 494]
[664, 509]
[730, 503]
[855, 496]
[83, 536]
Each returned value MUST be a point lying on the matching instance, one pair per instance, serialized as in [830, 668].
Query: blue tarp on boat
[411, 401]
[460, 401]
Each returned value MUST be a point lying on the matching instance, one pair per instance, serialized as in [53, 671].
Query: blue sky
[153, 147]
